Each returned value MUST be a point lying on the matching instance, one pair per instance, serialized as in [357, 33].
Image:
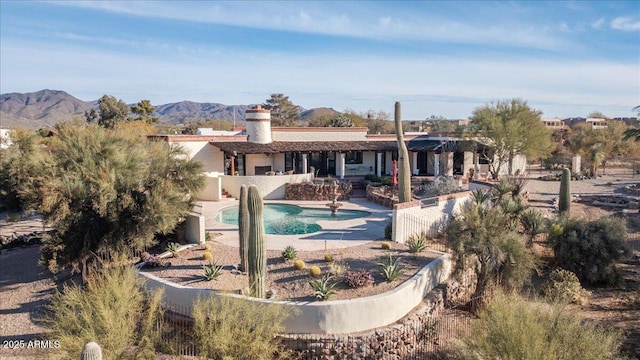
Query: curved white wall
[271, 187]
[331, 317]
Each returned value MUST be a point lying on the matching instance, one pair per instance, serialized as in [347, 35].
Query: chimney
[258, 125]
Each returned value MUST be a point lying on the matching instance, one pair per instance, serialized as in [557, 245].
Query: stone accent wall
[382, 195]
[316, 192]
[398, 341]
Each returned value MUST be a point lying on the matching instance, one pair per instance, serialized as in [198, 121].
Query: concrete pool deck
[334, 234]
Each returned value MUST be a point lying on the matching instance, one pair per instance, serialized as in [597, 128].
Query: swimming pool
[286, 219]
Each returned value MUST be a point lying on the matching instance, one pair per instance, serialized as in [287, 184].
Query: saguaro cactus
[243, 228]
[564, 200]
[91, 351]
[404, 171]
[257, 259]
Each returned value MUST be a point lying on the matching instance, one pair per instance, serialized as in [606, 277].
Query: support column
[414, 163]
[436, 164]
[378, 164]
[304, 164]
[341, 165]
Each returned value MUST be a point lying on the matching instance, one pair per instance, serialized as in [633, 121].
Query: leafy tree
[144, 110]
[340, 121]
[511, 128]
[283, 111]
[111, 112]
[600, 144]
[482, 238]
[110, 191]
[634, 132]
[596, 114]
[378, 122]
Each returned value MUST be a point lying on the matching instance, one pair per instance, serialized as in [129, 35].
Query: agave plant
[289, 253]
[391, 269]
[417, 242]
[211, 271]
[173, 248]
[323, 288]
[533, 223]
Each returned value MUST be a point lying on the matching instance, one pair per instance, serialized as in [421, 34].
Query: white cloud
[625, 24]
[598, 24]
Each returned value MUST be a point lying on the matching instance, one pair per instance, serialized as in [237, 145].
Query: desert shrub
[356, 279]
[173, 248]
[337, 268]
[388, 231]
[315, 271]
[564, 286]
[441, 185]
[591, 249]
[373, 178]
[111, 309]
[211, 271]
[299, 264]
[229, 328]
[511, 327]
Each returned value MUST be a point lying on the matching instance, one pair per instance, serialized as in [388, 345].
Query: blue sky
[437, 58]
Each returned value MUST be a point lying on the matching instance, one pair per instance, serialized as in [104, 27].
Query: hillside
[48, 107]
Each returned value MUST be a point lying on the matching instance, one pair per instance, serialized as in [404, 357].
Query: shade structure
[394, 173]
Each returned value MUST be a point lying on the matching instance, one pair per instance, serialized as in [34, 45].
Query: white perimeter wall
[212, 158]
[330, 317]
[271, 187]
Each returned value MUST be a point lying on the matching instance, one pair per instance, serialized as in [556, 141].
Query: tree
[511, 128]
[110, 191]
[482, 237]
[634, 132]
[283, 111]
[111, 112]
[600, 144]
[144, 110]
[340, 121]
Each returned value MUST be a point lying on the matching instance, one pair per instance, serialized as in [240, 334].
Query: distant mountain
[48, 107]
[322, 113]
[40, 108]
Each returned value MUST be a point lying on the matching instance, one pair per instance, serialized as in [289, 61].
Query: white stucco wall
[212, 158]
[330, 317]
[212, 190]
[319, 134]
[271, 187]
[259, 131]
[367, 167]
[194, 231]
[403, 226]
[253, 160]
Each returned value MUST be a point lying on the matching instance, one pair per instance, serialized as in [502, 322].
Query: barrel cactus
[243, 228]
[404, 170]
[91, 351]
[564, 200]
[257, 254]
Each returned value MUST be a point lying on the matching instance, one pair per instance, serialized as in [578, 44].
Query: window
[353, 157]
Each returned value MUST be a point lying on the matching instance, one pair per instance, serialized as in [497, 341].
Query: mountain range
[47, 107]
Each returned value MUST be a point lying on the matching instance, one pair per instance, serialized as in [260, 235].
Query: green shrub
[230, 328]
[113, 310]
[564, 286]
[388, 231]
[591, 249]
[510, 327]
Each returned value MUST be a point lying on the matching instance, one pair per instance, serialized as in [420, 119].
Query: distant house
[5, 138]
[270, 157]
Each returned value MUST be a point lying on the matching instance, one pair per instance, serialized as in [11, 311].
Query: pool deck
[334, 234]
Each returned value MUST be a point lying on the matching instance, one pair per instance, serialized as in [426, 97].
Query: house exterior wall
[271, 187]
[367, 167]
[319, 134]
[253, 160]
[211, 158]
[278, 162]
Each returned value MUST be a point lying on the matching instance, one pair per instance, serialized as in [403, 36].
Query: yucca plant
[417, 242]
[289, 253]
[533, 223]
[391, 269]
[211, 271]
[323, 288]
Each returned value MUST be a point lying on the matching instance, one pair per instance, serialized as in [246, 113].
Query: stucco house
[271, 157]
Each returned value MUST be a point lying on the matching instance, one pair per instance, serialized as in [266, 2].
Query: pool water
[285, 219]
